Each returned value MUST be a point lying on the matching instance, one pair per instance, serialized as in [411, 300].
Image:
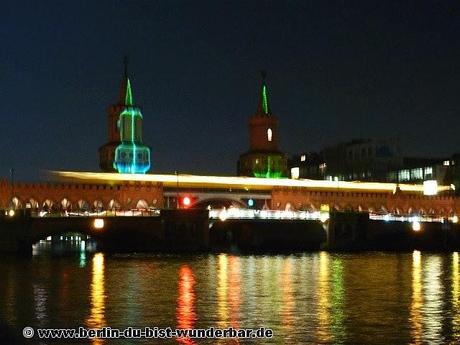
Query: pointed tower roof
[263, 107]
[126, 95]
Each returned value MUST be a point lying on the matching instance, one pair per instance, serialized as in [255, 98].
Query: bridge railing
[106, 213]
[236, 213]
[412, 218]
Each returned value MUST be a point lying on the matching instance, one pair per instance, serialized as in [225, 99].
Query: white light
[415, 219]
[324, 217]
[269, 134]
[295, 173]
[455, 219]
[223, 215]
[48, 238]
[386, 217]
[98, 223]
[242, 182]
[302, 158]
[416, 226]
[430, 187]
[186, 201]
[11, 213]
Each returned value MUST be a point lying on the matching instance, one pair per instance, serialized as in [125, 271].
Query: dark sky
[336, 71]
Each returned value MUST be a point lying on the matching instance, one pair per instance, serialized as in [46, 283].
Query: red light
[186, 201]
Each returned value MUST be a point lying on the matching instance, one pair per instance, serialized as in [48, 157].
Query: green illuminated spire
[129, 94]
[263, 106]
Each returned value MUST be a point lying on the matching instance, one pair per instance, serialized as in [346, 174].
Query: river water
[306, 298]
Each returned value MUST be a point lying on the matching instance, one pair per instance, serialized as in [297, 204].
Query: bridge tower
[125, 152]
[263, 158]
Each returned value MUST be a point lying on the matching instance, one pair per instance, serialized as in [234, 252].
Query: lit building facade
[356, 160]
[263, 158]
[374, 160]
[125, 151]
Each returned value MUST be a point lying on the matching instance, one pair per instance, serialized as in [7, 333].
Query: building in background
[263, 159]
[356, 160]
[374, 160]
[125, 151]
[307, 165]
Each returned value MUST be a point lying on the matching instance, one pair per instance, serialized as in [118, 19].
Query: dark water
[370, 298]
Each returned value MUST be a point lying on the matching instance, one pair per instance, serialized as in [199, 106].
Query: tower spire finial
[126, 96]
[263, 107]
[125, 62]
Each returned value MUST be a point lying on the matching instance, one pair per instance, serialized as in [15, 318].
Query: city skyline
[196, 78]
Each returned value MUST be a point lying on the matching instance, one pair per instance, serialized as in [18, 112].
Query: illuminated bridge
[95, 192]
[257, 212]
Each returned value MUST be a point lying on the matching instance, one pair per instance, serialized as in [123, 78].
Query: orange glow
[324, 299]
[287, 312]
[222, 288]
[455, 293]
[97, 316]
[185, 311]
[417, 298]
[98, 223]
[234, 290]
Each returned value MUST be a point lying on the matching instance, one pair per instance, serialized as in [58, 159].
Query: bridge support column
[14, 232]
[347, 231]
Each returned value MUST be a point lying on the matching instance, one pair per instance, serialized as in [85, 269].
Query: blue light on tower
[131, 156]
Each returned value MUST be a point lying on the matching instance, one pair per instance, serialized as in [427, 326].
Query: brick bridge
[75, 191]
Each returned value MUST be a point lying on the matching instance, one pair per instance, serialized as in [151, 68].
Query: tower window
[269, 134]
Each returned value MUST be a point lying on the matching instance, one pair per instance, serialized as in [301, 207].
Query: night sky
[336, 71]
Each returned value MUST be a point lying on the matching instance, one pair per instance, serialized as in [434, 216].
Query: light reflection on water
[455, 297]
[186, 302]
[324, 299]
[96, 318]
[432, 300]
[371, 298]
[417, 300]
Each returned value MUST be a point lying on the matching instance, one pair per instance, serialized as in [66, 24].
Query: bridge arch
[15, 203]
[113, 204]
[66, 205]
[48, 205]
[34, 204]
[219, 203]
[142, 204]
[83, 205]
[57, 226]
[98, 205]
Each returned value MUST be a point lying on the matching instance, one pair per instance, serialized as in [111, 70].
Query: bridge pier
[347, 230]
[266, 235]
[14, 237]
